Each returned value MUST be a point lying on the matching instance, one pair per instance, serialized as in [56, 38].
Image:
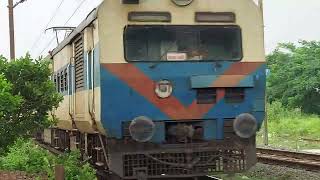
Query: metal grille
[171, 164]
[234, 95]
[79, 63]
[206, 96]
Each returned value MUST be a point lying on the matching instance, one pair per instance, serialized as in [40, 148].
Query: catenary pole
[11, 29]
[265, 131]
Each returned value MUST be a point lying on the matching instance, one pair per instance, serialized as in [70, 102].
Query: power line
[51, 19]
[54, 13]
[48, 44]
[74, 12]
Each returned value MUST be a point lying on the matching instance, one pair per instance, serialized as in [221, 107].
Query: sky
[285, 21]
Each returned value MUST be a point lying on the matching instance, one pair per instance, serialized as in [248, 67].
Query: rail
[211, 178]
[307, 161]
[49, 148]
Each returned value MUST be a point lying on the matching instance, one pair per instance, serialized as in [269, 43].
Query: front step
[100, 164]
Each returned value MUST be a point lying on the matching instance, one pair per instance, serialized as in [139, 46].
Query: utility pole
[11, 6]
[11, 29]
[265, 130]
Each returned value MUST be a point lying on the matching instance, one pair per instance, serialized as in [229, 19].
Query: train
[160, 89]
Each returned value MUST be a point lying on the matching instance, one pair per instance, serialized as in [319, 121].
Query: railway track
[101, 174]
[50, 149]
[307, 161]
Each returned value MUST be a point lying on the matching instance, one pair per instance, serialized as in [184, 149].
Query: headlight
[163, 89]
[245, 125]
[142, 129]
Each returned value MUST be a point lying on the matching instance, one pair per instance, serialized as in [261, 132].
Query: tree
[295, 76]
[8, 105]
[29, 95]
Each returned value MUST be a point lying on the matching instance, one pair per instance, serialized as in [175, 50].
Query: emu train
[162, 88]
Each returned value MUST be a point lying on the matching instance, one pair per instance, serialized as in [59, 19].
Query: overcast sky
[285, 21]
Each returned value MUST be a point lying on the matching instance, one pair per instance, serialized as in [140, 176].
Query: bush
[276, 111]
[28, 157]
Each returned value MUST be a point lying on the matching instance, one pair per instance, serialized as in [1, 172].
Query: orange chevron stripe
[171, 106]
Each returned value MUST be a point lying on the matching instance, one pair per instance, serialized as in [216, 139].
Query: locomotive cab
[164, 89]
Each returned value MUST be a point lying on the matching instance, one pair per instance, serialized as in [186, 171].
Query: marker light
[182, 2]
[130, 1]
[149, 16]
[245, 125]
[228, 17]
[142, 129]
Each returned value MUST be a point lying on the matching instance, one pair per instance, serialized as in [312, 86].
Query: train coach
[162, 88]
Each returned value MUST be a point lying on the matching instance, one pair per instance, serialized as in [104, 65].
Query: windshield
[182, 43]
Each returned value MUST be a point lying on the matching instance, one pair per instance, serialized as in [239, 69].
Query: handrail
[70, 88]
[91, 105]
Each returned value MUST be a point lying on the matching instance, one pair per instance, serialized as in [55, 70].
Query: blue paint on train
[121, 103]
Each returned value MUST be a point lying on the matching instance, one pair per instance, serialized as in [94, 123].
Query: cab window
[182, 43]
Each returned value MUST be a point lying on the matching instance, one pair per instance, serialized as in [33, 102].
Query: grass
[25, 156]
[291, 129]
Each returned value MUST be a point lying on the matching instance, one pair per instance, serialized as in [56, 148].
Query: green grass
[291, 129]
[25, 156]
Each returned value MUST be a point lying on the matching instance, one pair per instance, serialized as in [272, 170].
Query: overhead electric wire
[48, 44]
[54, 14]
[74, 12]
[51, 19]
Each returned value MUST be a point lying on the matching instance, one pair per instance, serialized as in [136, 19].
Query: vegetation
[26, 96]
[291, 128]
[26, 156]
[293, 93]
[295, 76]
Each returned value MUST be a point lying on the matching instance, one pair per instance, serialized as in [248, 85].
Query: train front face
[187, 100]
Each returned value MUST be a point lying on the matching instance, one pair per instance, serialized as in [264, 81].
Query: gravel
[271, 172]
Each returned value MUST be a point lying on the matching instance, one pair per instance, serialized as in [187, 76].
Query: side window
[58, 82]
[90, 69]
[66, 79]
[55, 81]
[61, 81]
